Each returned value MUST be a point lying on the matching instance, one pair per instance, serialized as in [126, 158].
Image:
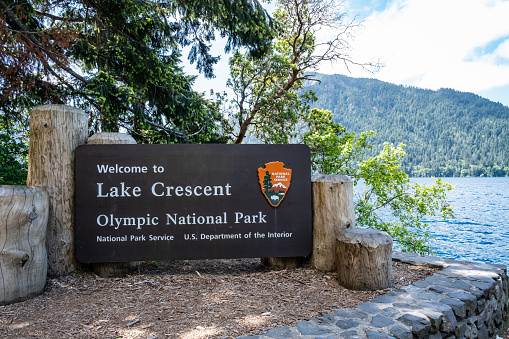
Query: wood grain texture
[115, 269]
[333, 211]
[364, 259]
[55, 132]
[23, 257]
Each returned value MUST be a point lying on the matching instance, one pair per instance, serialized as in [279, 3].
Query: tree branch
[58, 18]
[34, 40]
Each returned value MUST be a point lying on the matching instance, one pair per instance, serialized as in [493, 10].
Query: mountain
[280, 185]
[446, 132]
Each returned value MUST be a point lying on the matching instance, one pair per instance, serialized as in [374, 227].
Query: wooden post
[333, 210]
[364, 259]
[23, 259]
[55, 132]
[115, 269]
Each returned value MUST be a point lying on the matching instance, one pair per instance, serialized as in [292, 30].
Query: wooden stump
[333, 211]
[114, 269]
[55, 132]
[364, 259]
[23, 257]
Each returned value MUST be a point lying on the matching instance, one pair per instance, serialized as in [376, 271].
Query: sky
[433, 44]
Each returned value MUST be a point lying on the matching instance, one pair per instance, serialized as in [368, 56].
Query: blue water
[479, 232]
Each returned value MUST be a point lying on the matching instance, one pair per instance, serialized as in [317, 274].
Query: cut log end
[364, 259]
[23, 256]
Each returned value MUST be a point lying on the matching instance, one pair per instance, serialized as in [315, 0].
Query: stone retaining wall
[464, 300]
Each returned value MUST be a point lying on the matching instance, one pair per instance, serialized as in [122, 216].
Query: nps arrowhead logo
[274, 181]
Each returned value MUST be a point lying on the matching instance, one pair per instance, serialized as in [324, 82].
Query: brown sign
[156, 202]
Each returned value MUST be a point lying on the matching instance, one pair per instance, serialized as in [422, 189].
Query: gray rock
[457, 306]
[403, 296]
[377, 335]
[449, 321]
[411, 289]
[381, 321]
[483, 285]
[408, 306]
[461, 285]
[422, 284]
[461, 328]
[282, 332]
[390, 312]
[346, 324]
[310, 328]
[480, 305]
[428, 296]
[440, 289]
[349, 334]
[385, 299]
[439, 279]
[401, 332]
[369, 307]
[434, 317]
[351, 313]
[420, 326]
[471, 331]
[466, 297]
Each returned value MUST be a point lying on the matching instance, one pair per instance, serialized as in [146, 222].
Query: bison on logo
[274, 181]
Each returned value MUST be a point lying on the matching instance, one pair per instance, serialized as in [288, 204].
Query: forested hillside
[446, 132]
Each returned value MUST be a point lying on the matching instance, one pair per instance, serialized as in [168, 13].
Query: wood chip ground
[185, 299]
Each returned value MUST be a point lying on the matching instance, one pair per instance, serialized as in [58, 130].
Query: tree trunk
[364, 259]
[113, 269]
[23, 257]
[333, 211]
[55, 132]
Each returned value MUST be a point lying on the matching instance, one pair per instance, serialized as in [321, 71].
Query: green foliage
[386, 186]
[120, 60]
[13, 156]
[267, 103]
[447, 133]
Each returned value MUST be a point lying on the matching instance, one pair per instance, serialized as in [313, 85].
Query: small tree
[386, 186]
[266, 99]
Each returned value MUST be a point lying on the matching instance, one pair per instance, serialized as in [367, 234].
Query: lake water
[480, 230]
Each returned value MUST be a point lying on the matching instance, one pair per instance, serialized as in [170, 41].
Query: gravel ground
[185, 299]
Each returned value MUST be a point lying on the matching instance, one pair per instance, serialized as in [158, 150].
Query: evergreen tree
[267, 181]
[13, 157]
[120, 60]
[446, 133]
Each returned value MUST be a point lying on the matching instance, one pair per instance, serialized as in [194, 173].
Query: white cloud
[436, 43]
